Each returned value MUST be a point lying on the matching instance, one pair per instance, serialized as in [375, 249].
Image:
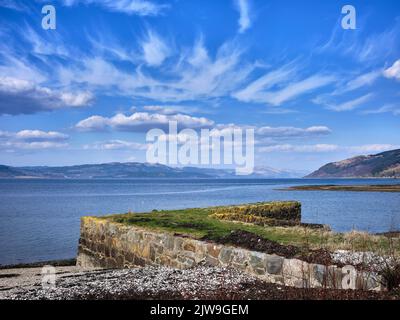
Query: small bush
[391, 277]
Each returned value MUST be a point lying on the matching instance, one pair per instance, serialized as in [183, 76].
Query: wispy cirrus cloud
[116, 145]
[261, 91]
[243, 7]
[190, 75]
[323, 148]
[256, 91]
[45, 44]
[361, 81]
[187, 73]
[155, 50]
[299, 148]
[13, 4]
[343, 106]
[296, 89]
[365, 48]
[131, 7]
[388, 108]
[172, 109]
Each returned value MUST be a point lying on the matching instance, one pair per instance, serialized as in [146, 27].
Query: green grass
[199, 223]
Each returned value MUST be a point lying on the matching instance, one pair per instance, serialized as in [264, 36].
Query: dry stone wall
[111, 245]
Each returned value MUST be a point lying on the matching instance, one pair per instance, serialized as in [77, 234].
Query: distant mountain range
[382, 165]
[134, 170]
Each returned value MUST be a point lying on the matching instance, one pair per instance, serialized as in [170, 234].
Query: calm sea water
[39, 219]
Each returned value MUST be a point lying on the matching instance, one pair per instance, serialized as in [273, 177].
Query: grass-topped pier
[277, 222]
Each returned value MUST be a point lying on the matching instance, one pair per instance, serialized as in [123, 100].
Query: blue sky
[89, 91]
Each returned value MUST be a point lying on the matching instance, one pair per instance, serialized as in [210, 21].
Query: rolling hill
[382, 165]
[133, 170]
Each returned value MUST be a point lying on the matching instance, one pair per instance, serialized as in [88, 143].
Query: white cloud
[32, 139]
[47, 44]
[321, 148]
[372, 148]
[39, 136]
[141, 122]
[116, 145]
[155, 50]
[204, 78]
[97, 73]
[296, 89]
[365, 49]
[199, 54]
[137, 7]
[171, 109]
[13, 4]
[77, 99]
[244, 14]
[256, 91]
[19, 96]
[394, 71]
[286, 132]
[299, 148]
[348, 105]
[32, 145]
[262, 90]
[378, 45]
[279, 111]
[389, 108]
[187, 77]
[13, 66]
[362, 80]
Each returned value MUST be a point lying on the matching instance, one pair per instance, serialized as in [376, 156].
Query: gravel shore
[159, 283]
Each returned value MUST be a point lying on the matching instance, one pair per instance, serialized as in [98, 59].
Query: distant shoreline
[197, 178]
[353, 188]
[55, 263]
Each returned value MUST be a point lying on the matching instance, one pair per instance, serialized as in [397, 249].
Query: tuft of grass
[391, 277]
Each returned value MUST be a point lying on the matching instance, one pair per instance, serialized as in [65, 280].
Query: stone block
[189, 246]
[213, 250]
[368, 281]
[320, 276]
[211, 261]
[178, 244]
[274, 264]
[225, 256]
[240, 259]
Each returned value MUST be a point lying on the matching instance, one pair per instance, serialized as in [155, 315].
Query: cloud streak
[130, 7]
[116, 145]
[344, 106]
[388, 108]
[244, 15]
[259, 90]
[323, 148]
